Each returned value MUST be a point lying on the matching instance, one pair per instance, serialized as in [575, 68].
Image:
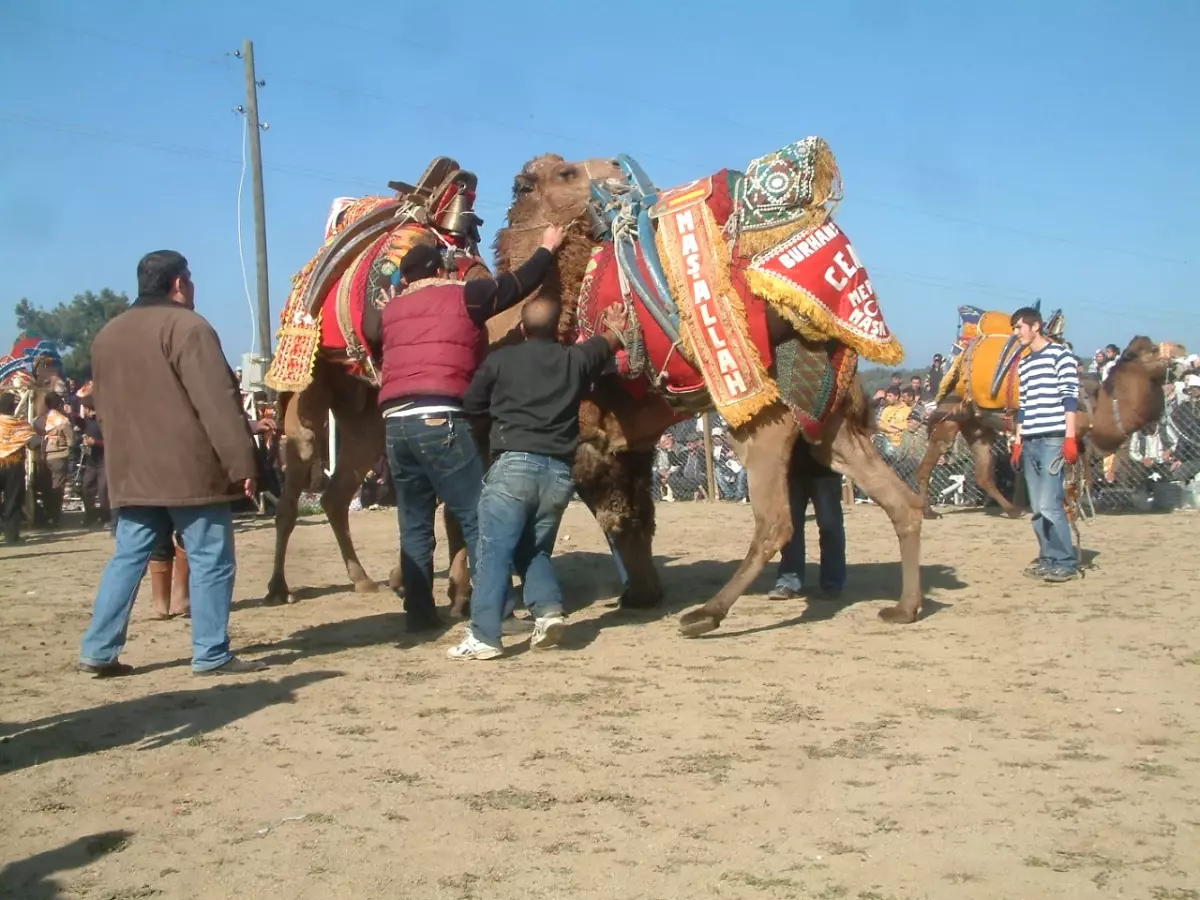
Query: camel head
[1157, 362]
[548, 190]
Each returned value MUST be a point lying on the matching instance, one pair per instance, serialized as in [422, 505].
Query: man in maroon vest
[432, 338]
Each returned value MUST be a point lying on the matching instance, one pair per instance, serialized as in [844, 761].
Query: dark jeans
[12, 494]
[826, 496]
[94, 487]
[431, 457]
[523, 500]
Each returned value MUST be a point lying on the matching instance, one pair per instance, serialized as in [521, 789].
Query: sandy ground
[1021, 741]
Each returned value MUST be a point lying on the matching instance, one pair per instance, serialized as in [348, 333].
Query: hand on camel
[614, 319]
[552, 237]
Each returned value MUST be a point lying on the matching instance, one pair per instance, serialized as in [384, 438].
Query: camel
[362, 237]
[620, 428]
[1127, 401]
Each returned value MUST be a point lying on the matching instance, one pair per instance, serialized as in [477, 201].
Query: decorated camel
[322, 366]
[979, 395]
[742, 296]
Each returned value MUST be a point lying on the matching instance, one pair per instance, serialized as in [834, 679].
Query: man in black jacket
[532, 391]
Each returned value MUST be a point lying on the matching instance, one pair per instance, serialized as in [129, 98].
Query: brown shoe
[160, 587]
[181, 595]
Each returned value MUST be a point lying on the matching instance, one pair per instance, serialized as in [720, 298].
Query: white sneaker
[473, 648]
[547, 632]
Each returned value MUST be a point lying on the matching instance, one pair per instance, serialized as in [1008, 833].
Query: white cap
[1192, 381]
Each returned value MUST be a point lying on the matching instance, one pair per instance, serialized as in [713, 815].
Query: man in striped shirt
[1049, 378]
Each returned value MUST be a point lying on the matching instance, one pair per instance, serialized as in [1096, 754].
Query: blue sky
[990, 153]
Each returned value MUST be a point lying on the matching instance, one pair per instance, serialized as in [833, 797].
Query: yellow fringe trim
[765, 392]
[820, 324]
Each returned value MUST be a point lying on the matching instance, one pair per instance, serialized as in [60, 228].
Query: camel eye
[568, 173]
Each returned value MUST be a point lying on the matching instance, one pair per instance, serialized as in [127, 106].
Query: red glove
[1016, 454]
[1070, 451]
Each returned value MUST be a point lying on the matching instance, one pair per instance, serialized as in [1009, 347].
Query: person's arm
[202, 369]
[372, 329]
[485, 297]
[477, 400]
[1068, 389]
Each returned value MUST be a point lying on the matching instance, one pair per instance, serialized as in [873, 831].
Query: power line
[938, 282]
[461, 115]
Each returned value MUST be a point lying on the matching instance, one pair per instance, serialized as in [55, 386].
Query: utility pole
[260, 206]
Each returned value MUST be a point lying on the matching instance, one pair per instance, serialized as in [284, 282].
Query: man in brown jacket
[178, 451]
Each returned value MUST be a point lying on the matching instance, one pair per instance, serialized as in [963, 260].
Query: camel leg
[941, 438]
[361, 446]
[855, 455]
[765, 447]
[300, 426]
[981, 442]
[617, 488]
[460, 568]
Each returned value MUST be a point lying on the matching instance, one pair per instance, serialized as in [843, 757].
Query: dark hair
[422, 261]
[1027, 315]
[1114, 348]
[897, 375]
[54, 401]
[157, 271]
[8, 404]
[892, 389]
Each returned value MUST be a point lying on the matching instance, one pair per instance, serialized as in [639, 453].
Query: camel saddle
[989, 359]
[366, 238]
[443, 199]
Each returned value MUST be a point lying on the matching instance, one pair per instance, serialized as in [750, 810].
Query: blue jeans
[207, 532]
[1042, 460]
[523, 500]
[431, 458]
[826, 496]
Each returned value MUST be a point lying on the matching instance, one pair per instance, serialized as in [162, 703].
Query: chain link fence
[1157, 469]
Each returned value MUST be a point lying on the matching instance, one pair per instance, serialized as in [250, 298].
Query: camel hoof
[898, 615]
[931, 516]
[1016, 514]
[365, 587]
[697, 622]
[629, 600]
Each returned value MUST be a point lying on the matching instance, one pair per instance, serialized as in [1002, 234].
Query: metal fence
[1156, 470]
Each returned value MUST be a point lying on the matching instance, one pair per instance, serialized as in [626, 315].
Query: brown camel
[613, 464]
[338, 386]
[1129, 399]
[335, 388]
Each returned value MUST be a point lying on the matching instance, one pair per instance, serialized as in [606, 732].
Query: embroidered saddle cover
[365, 240]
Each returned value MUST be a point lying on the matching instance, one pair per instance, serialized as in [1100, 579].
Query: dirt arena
[1021, 741]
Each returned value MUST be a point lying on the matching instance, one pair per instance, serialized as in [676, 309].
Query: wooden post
[709, 468]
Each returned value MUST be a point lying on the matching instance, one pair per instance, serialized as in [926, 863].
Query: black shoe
[114, 669]
[234, 666]
[831, 594]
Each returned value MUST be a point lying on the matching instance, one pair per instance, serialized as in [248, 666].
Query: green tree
[72, 326]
